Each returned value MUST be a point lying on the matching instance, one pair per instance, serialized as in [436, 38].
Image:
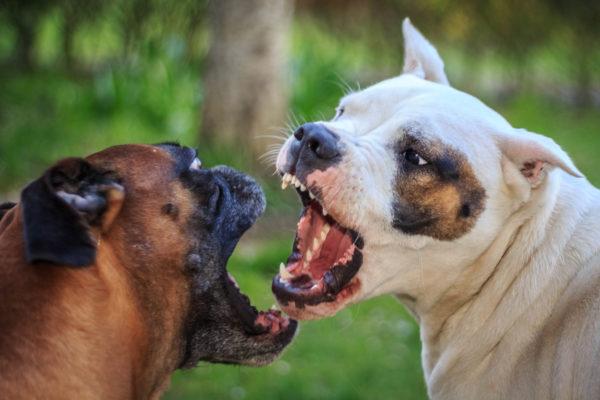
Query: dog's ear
[420, 57]
[61, 208]
[5, 207]
[534, 154]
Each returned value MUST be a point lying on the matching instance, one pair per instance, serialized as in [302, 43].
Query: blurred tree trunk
[25, 42]
[245, 85]
[69, 27]
[583, 90]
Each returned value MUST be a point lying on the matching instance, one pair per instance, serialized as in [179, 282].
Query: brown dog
[112, 276]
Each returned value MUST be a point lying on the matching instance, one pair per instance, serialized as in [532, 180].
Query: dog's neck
[153, 329]
[468, 314]
[79, 330]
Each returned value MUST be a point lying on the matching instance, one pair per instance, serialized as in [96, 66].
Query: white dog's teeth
[285, 181]
[296, 182]
[316, 244]
[309, 255]
[312, 196]
[325, 231]
[324, 211]
[302, 188]
[284, 274]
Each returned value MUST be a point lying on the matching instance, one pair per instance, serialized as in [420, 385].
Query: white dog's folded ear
[420, 57]
[533, 154]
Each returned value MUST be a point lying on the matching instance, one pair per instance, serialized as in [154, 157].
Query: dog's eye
[414, 158]
[196, 164]
[339, 112]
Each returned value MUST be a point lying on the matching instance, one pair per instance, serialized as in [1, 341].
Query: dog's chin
[326, 309]
[320, 276]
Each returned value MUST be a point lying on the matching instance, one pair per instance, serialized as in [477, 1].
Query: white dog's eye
[414, 158]
[338, 112]
[196, 164]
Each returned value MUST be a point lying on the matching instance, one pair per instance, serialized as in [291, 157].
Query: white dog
[487, 233]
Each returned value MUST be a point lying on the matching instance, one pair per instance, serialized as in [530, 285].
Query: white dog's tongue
[321, 243]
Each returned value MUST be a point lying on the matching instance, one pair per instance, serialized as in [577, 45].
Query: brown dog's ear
[60, 208]
[5, 207]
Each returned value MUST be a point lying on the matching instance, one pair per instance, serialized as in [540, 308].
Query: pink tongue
[331, 250]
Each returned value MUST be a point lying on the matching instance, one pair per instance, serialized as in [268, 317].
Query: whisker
[274, 137]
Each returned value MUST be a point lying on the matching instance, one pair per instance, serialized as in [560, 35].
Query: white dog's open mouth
[325, 256]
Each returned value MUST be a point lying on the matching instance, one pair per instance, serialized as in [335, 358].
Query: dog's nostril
[299, 134]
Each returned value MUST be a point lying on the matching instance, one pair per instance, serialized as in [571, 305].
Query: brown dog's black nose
[319, 140]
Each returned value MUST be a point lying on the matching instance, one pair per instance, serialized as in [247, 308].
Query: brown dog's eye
[170, 209]
[414, 158]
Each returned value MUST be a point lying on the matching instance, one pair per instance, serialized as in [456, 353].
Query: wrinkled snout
[241, 202]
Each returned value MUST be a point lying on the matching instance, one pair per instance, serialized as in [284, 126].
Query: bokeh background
[233, 77]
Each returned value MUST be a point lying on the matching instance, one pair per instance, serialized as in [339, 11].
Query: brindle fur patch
[441, 199]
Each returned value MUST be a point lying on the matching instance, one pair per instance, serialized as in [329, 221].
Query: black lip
[240, 302]
[335, 279]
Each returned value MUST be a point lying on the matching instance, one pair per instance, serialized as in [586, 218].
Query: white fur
[511, 309]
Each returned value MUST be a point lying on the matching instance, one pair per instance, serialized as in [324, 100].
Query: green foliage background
[144, 85]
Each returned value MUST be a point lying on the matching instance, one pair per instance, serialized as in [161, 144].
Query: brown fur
[445, 194]
[111, 330]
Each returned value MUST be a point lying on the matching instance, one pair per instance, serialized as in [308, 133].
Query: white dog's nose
[319, 140]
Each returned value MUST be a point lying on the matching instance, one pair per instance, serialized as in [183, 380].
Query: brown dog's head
[168, 225]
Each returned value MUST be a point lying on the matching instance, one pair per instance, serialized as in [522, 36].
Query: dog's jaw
[319, 277]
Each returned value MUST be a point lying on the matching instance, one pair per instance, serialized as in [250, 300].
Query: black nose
[319, 140]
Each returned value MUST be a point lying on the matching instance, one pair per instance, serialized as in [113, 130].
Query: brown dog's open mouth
[325, 258]
[270, 322]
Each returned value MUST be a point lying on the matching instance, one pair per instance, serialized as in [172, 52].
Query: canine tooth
[308, 255]
[324, 211]
[296, 182]
[302, 188]
[312, 196]
[285, 181]
[284, 274]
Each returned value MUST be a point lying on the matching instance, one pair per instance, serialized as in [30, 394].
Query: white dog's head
[409, 182]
